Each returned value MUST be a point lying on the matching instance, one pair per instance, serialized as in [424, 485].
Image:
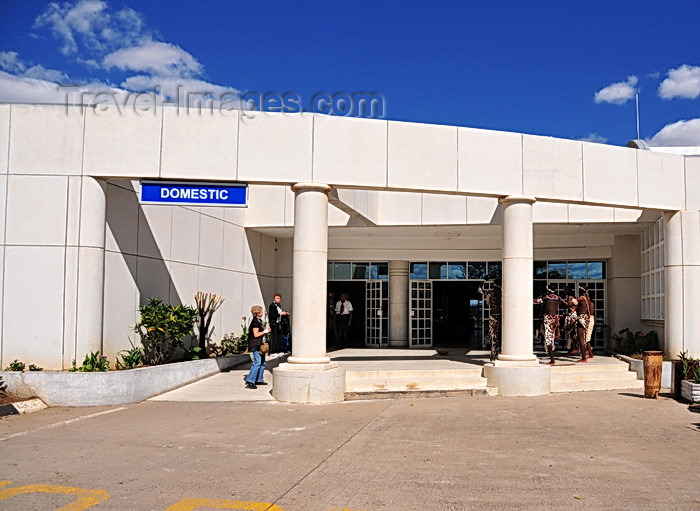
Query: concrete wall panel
[661, 180]
[36, 210]
[549, 212]
[153, 277]
[122, 144]
[211, 242]
[267, 205]
[33, 305]
[46, 140]
[422, 156]
[483, 210]
[692, 182]
[275, 147]
[609, 174]
[490, 162]
[350, 151]
[120, 304]
[122, 218]
[155, 231]
[199, 145]
[552, 168]
[4, 137]
[444, 209]
[588, 214]
[399, 208]
[185, 246]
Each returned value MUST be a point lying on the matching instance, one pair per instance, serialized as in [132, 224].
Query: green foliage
[635, 343]
[232, 344]
[94, 363]
[34, 367]
[130, 358]
[15, 365]
[193, 352]
[690, 367]
[162, 328]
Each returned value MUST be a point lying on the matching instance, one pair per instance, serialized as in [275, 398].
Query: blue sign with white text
[193, 194]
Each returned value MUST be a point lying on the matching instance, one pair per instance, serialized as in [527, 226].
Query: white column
[309, 376]
[310, 273]
[517, 371]
[682, 282]
[517, 281]
[91, 266]
[398, 303]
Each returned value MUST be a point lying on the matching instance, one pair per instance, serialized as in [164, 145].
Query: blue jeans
[257, 372]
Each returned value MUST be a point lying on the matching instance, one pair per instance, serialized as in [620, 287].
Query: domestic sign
[184, 193]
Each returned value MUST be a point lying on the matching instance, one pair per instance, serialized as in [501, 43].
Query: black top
[255, 342]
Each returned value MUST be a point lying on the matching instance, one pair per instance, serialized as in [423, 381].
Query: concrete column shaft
[398, 303]
[517, 281]
[91, 266]
[682, 278]
[310, 273]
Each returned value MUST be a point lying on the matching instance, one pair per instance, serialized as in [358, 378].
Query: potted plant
[690, 385]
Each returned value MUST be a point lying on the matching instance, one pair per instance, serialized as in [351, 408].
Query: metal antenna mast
[636, 99]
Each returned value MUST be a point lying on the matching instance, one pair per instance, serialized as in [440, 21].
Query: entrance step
[414, 380]
[591, 376]
[398, 394]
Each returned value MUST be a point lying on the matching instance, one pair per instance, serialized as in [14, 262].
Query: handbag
[264, 348]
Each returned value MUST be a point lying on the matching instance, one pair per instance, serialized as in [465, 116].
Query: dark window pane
[557, 271]
[360, 270]
[341, 271]
[456, 271]
[438, 271]
[419, 270]
[577, 270]
[540, 270]
[330, 271]
[494, 271]
[477, 271]
[380, 271]
[596, 270]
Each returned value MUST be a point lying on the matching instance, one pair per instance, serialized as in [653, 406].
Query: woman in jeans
[256, 336]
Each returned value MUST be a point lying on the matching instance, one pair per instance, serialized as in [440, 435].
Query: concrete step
[578, 386]
[615, 367]
[417, 394]
[593, 375]
[413, 381]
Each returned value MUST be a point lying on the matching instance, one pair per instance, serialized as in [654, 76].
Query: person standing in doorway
[570, 322]
[279, 323]
[256, 337]
[550, 324]
[343, 318]
[493, 299]
[330, 320]
[586, 321]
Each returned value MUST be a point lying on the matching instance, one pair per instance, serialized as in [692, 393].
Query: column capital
[516, 199]
[319, 187]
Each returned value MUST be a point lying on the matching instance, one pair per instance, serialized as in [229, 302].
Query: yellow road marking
[86, 498]
[189, 504]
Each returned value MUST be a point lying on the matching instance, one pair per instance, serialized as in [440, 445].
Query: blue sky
[562, 69]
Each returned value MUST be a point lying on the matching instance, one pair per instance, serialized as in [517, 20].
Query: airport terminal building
[408, 219]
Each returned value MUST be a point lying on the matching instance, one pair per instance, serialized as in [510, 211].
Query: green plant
[162, 328]
[192, 353]
[635, 343]
[15, 365]
[34, 367]
[94, 363]
[207, 304]
[690, 367]
[130, 358]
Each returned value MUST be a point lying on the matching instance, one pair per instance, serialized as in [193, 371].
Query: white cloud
[681, 133]
[155, 57]
[682, 82]
[618, 93]
[594, 137]
[9, 61]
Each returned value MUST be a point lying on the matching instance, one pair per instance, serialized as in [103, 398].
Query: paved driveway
[588, 450]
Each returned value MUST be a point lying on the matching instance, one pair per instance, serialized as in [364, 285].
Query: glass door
[421, 314]
[376, 321]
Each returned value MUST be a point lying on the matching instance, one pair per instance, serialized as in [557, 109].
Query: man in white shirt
[343, 318]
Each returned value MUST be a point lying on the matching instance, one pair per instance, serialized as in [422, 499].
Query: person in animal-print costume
[586, 321]
[570, 322]
[550, 324]
[493, 299]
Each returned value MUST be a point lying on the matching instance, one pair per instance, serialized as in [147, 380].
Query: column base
[302, 383]
[519, 380]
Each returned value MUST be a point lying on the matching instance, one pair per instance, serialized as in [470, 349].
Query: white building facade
[410, 218]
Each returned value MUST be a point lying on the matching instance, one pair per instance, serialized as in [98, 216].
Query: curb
[20, 407]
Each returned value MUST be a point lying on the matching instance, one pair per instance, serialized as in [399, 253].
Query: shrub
[94, 363]
[232, 344]
[207, 304]
[34, 367]
[162, 328]
[15, 365]
[635, 343]
[130, 358]
[690, 367]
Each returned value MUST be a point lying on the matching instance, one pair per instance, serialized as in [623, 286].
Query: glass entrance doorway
[457, 314]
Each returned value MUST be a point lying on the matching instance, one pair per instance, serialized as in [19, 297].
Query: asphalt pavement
[586, 450]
